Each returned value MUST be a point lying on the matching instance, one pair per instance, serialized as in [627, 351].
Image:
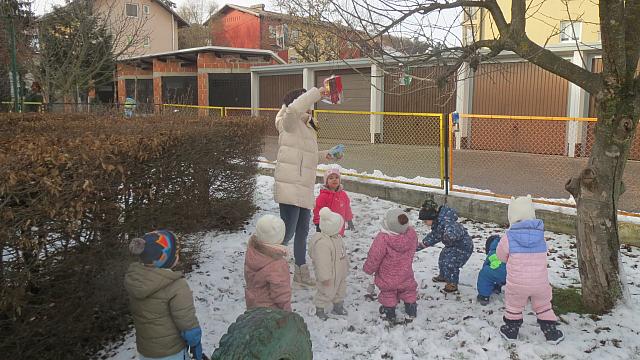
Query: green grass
[568, 300]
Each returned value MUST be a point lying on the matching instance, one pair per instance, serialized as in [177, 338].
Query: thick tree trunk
[597, 191]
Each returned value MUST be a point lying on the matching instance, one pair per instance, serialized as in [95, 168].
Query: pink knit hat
[329, 172]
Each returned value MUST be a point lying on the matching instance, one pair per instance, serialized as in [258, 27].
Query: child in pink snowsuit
[524, 250]
[390, 258]
[333, 196]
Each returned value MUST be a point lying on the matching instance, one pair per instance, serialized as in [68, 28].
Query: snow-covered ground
[447, 327]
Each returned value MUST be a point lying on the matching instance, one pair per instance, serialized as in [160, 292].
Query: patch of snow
[447, 326]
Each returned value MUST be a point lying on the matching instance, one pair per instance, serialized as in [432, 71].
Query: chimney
[257, 7]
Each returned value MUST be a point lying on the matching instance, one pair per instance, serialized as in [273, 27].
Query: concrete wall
[475, 209]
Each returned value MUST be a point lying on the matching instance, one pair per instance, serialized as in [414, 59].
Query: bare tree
[616, 92]
[196, 12]
[79, 44]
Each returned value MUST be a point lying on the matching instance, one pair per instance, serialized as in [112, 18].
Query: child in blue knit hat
[161, 301]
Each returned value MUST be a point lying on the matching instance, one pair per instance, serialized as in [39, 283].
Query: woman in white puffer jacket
[295, 173]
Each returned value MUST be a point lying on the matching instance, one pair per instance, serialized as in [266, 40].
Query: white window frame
[272, 32]
[570, 31]
[146, 42]
[146, 10]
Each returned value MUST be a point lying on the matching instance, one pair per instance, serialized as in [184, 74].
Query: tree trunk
[597, 191]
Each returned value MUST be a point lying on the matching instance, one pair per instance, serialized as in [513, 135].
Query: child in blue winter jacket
[458, 245]
[493, 274]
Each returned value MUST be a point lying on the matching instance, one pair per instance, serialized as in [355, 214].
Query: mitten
[192, 338]
[350, 226]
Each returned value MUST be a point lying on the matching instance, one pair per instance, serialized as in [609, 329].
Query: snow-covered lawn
[447, 327]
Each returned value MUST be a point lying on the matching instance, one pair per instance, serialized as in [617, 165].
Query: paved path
[501, 172]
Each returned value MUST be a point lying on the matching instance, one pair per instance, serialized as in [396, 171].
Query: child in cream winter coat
[330, 264]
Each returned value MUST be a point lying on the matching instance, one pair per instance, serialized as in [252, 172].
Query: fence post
[377, 104]
[444, 148]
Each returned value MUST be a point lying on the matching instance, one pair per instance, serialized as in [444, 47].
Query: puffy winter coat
[336, 201]
[298, 155]
[493, 272]
[266, 273]
[448, 231]
[161, 303]
[524, 250]
[329, 256]
[390, 258]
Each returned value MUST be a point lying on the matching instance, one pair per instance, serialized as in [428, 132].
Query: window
[146, 42]
[570, 31]
[272, 32]
[131, 10]
[469, 36]
[146, 9]
[471, 14]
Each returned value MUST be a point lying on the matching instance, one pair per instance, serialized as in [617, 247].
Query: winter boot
[510, 329]
[483, 300]
[321, 314]
[302, 276]
[451, 287]
[553, 335]
[438, 278]
[338, 309]
[411, 310]
[388, 313]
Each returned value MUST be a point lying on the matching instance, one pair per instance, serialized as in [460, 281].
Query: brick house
[256, 28]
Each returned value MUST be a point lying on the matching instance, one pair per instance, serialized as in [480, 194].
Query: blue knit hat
[157, 247]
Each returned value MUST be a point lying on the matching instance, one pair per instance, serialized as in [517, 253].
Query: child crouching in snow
[390, 258]
[333, 196]
[493, 274]
[266, 271]
[524, 250]
[458, 245]
[161, 301]
[330, 264]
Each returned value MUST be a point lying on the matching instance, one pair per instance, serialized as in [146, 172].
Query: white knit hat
[270, 230]
[330, 222]
[392, 221]
[521, 208]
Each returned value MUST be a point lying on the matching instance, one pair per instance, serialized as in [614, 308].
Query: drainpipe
[173, 35]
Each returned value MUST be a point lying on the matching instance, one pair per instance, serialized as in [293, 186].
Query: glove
[350, 226]
[317, 227]
[371, 289]
[337, 152]
[421, 246]
[192, 337]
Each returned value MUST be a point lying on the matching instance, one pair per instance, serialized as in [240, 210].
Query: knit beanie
[330, 222]
[429, 210]
[490, 240]
[157, 247]
[329, 172]
[396, 220]
[521, 208]
[270, 230]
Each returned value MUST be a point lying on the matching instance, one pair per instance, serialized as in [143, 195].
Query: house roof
[255, 11]
[181, 22]
[190, 55]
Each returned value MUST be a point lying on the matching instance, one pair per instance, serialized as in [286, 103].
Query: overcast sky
[42, 6]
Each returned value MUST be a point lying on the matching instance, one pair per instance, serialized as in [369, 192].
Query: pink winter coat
[336, 201]
[524, 250]
[390, 258]
[266, 273]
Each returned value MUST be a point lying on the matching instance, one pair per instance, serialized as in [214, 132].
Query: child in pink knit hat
[333, 196]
